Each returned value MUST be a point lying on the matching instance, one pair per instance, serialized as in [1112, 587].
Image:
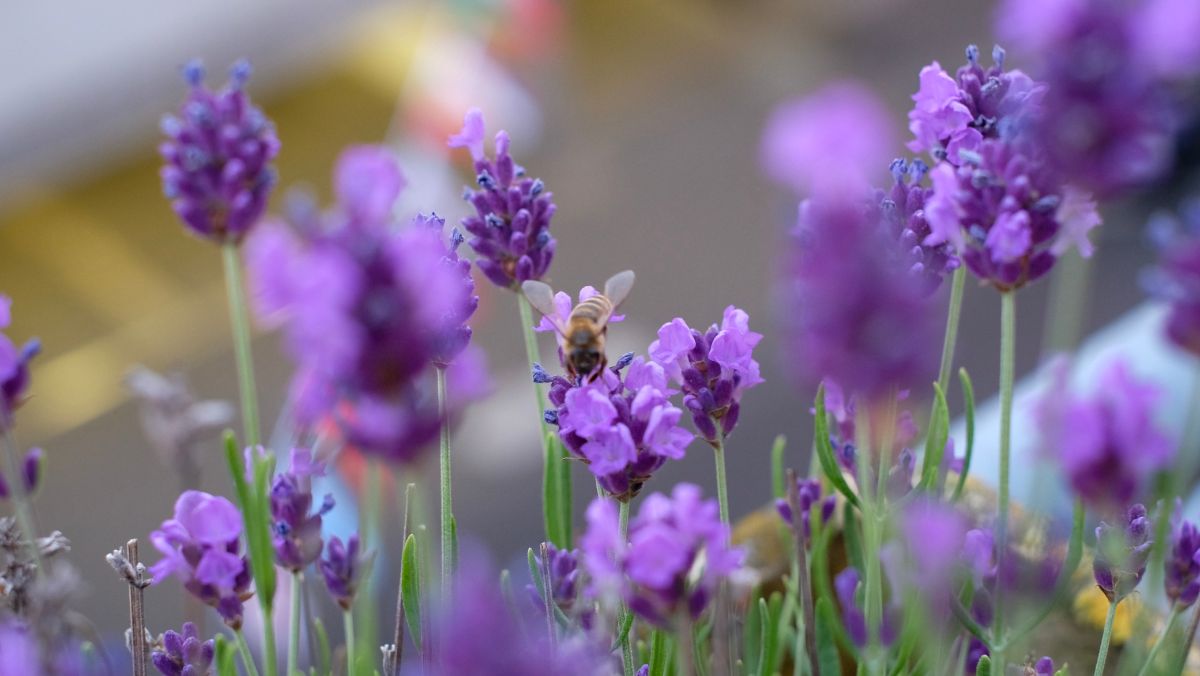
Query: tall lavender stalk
[1008, 328]
[448, 554]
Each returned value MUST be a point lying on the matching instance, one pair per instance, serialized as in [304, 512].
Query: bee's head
[584, 359]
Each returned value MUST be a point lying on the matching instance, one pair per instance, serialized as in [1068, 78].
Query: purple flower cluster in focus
[367, 306]
[623, 426]
[343, 566]
[297, 529]
[714, 369]
[1176, 278]
[652, 572]
[809, 493]
[183, 654]
[201, 546]
[1122, 552]
[1109, 445]
[510, 230]
[14, 366]
[1182, 561]
[218, 155]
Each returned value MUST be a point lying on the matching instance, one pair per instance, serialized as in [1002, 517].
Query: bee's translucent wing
[618, 286]
[541, 296]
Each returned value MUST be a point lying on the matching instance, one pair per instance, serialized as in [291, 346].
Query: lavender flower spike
[297, 532]
[1121, 554]
[14, 367]
[343, 567]
[31, 469]
[183, 653]
[200, 545]
[218, 154]
[809, 491]
[1182, 562]
[510, 231]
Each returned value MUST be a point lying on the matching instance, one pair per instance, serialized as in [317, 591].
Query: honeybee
[582, 334]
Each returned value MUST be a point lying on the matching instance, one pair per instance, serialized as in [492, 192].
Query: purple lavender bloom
[1043, 667]
[1111, 69]
[218, 154]
[714, 369]
[951, 115]
[623, 426]
[31, 469]
[933, 535]
[850, 310]
[667, 538]
[901, 212]
[343, 567]
[1176, 278]
[510, 230]
[809, 493]
[846, 585]
[1182, 562]
[458, 334]
[183, 654]
[565, 577]
[14, 366]
[1109, 445]
[1121, 554]
[825, 142]
[297, 530]
[200, 546]
[1007, 214]
[367, 309]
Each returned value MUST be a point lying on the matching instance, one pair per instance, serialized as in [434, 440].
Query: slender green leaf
[564, 494]
[985, 666]
[325, 654]
[935, 440]
[969, 416]
[826, 630]
[551, 493]
[535, 571]
[852, 535]
[778, 476]
[825, 451]
[410, 588]
[752, 639]
[224, 652]
[264, 467]
[255, 518]
[453, 544]
[661, 653]
[622, 631]
[770, 642]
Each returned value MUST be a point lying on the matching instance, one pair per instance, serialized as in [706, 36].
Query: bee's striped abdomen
[597, 309]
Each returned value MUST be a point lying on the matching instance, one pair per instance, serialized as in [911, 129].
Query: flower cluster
[183, 654]
[623, 426]
[14, 366]
[847, 585]
[367, 309]
[457, 334]
[510, 230]
[1182, 561]
[901, 211]
[297, 530]
[565, 577]
[1121, 554]
[1176, 278]
[654, 571]
[1109, 445]
[809, 493]
[714, 369]
[343, 567]
[218, 155]
[1111, 70]
[200, 546]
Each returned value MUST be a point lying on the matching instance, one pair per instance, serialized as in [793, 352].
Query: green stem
[240, 325]
[1102, 656]
[294, 636]
[1008, 337]
[952, 317]
[722, 486]
[683, 646]
[1161, 639]
[270, 663]
[872, 576]
[444, 467]
[244, 651]
[626, 646]
[559, 468]
[348, 620]
[1190, 637]
[20, 497]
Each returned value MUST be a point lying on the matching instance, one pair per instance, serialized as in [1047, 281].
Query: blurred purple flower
[200, 545]
[714, 369]
[1108, 445]
[565, 578]
[1176, 278]
[827, 142]
[510, 231]
[31, 470]
[951, 115]
[933, 535]
[458, 334]
[667, 538]
[901, 212]
[296, 529]
[367, 309]
[1007, 214]
[1182, 561]
[218, 154]
[850, 309]
[1111, 70]
[1121, 554]
[846, 585]
[809, 493]
[19, 652]
[623, 427]
[343, 567]
[183, 654]
[14, 366]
